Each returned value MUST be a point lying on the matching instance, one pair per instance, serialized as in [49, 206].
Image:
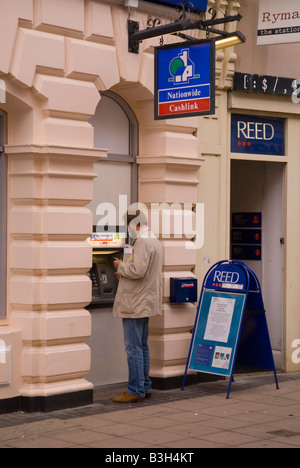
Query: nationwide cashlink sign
[197, 4]
[185, 80]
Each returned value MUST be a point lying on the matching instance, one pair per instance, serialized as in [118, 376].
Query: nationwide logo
[182, 69]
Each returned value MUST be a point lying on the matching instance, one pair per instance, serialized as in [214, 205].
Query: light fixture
[132, 3]
[2, 92]
[232, 40]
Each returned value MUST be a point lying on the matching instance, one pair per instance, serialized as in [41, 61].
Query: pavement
[257, 415]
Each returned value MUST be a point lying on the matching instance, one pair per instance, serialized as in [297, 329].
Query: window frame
[130, 158]
[133, 144]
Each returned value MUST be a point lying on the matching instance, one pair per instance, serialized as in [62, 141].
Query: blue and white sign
[185, 80]
[197, 4]
[257, 135]
[231, 326]
[216, 334]
[223, 278]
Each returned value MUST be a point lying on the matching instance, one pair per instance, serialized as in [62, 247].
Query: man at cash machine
[139, 297]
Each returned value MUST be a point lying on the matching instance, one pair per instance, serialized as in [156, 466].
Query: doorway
[115, 189]
[259, 188]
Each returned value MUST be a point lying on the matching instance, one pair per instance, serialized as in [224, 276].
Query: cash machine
[106, 248]
[108, 358]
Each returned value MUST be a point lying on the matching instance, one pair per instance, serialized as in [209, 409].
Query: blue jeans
[136, 333]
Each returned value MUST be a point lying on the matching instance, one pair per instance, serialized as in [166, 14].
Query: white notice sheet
[219, 319]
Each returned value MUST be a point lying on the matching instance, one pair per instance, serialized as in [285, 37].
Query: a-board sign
[185, 80]
[231, 326]
[223, 278]
[217, 331]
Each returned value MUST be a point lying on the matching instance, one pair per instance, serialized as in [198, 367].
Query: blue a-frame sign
[231, 325]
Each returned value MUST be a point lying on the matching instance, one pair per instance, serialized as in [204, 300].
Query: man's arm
[139, 267]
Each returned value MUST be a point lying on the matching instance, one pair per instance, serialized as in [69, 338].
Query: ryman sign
[279, 22]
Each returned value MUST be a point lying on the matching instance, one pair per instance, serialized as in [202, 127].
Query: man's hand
[117, 263]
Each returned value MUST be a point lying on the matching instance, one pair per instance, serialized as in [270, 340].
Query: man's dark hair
[138, 218]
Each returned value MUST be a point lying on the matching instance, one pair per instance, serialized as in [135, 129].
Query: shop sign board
[257, 135]
[265, 84]
[247, 220]
[246, 236]
[279, 22]
[197, 4]
[185, 80]
[231, 326]
[246, 252]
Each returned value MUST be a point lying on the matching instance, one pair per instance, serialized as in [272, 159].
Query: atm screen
[109, 240]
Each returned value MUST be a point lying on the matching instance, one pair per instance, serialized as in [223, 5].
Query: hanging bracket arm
[135, 36]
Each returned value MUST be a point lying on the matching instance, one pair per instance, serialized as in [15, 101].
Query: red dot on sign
[244, 143]
[249, 144]
[240, 143]
[255, 219]
[257, 252]
[257, 237]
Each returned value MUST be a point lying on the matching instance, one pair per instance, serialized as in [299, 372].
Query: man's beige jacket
[139, 293]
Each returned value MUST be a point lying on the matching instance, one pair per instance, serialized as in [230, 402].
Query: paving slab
[256, 416]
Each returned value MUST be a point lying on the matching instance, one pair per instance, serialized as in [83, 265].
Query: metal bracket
[133, 27]
[135, 36]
